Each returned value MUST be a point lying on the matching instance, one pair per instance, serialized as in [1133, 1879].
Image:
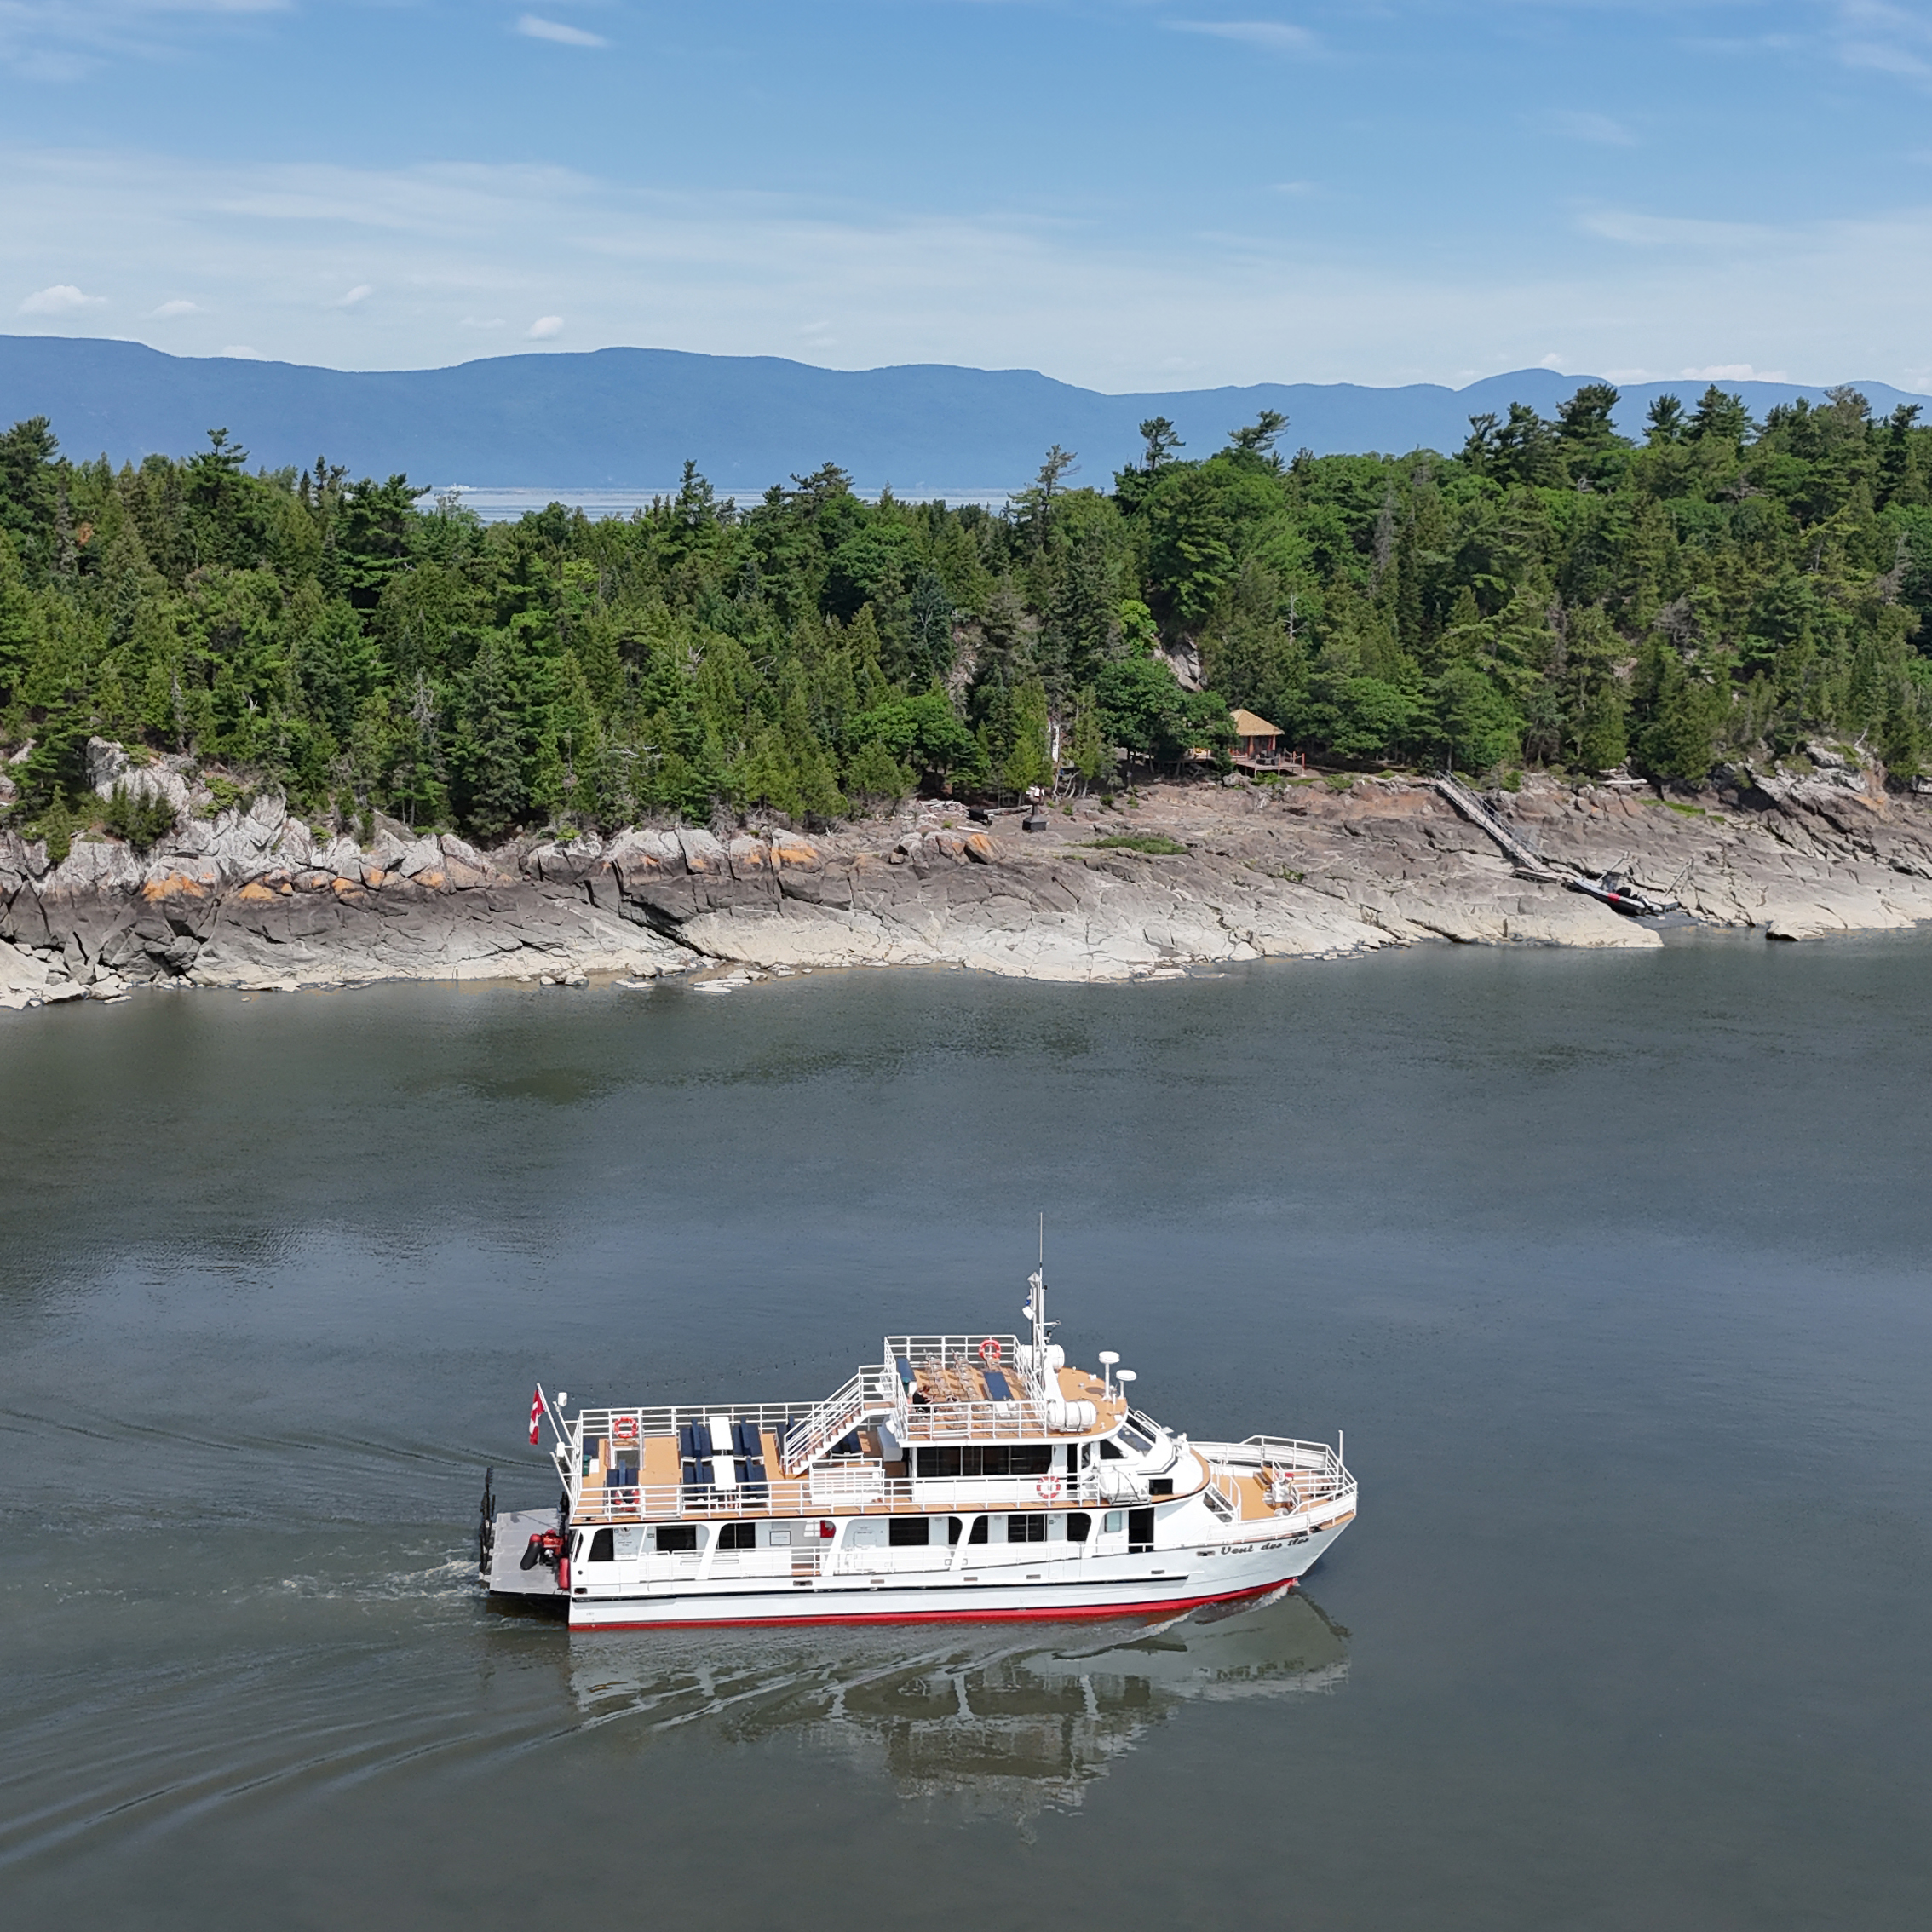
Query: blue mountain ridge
[627, 418]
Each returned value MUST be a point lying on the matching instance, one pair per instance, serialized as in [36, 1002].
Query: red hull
[1170, 1606]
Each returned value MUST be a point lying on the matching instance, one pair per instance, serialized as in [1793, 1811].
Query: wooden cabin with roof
[1258, 745]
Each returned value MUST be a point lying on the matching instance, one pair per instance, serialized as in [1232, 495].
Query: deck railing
[1318, 1472]
[873, 1391]
[862, 1488]
[987, 1421]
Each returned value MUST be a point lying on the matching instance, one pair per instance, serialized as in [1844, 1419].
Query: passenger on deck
[920, 1399]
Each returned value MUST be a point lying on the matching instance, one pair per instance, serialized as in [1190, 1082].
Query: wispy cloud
[63, 298]
[1879, 37]
[1576, 125]
[1675, 231]
[536, 28]
[1732, 373]
[361, 292]
[1277, 37]
[54, 40]
[168, 310]
[455, 249]
[544, 329]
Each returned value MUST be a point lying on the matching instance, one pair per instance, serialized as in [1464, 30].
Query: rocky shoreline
[254, 898]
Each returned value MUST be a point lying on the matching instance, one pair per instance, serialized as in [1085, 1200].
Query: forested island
[1551, 595]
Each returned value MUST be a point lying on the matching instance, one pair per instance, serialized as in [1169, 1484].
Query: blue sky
[1122, 193]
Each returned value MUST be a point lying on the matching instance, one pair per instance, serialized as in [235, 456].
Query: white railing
[862, 1489]
[987, 1421]
[771, 1417]
[873, 1391]
[1317, 1473]
[955, 1351]
[979, 1353]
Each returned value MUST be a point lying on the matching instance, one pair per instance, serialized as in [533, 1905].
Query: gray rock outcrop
[256, 898]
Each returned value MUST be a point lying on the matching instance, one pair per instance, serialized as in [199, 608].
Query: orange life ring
[1048, 1489]
[989, 1351]
[624, 1429]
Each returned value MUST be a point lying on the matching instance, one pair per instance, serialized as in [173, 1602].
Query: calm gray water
[1614, 1269]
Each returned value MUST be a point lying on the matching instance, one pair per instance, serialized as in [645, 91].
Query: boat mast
[1036, 1302]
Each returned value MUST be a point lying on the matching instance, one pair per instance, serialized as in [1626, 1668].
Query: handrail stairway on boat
[870, 1392]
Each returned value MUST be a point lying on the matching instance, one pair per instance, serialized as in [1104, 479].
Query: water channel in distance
[1614, 1269]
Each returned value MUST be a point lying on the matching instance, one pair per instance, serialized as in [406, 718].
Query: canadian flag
[536, 1411]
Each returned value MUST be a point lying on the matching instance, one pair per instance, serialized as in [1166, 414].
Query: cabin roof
[1248, 724]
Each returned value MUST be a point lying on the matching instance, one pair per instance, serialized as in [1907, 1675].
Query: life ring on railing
[624, 1429]
[989, 1351]
[1048, 1489]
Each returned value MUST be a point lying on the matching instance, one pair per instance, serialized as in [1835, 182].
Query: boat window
[739, 1536]
[1026, 1529]
[1112, 1524]
[1139, 1531]
[908, 1533]
[985, 1459]
[979, 1533]
[603, 1547]
[1135, 1437]
[1161, 1485]
[676, 1537]
[1079, 1526]
[1112, 1452]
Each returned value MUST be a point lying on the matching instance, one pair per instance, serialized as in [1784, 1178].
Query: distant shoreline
[1326, 868]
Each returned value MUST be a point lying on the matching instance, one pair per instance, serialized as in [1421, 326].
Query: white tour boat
[963, 1475]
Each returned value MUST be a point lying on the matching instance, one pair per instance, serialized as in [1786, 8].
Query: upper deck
[945, 1424]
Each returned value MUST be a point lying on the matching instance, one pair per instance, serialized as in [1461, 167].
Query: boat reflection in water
[1007, 1720]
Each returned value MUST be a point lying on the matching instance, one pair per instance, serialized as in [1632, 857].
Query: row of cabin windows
[985, 1459]
[902, 1532]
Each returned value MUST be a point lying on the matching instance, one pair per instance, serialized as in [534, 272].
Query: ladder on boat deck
[872, 1392]
[1526, 858]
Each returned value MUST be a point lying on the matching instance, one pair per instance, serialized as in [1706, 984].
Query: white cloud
[1276, 35]
[1575, 126]
[361, 292]
[52, 41]
[63, 298]
[1552, 361]
[538, 28]
[456, 248]
[1882, 39]
[544, 329]
[168, 310]
[1733, 372]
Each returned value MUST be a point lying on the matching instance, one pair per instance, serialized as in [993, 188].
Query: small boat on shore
[964, 1476]
[1613, 891]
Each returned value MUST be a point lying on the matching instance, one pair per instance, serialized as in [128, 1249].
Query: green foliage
[1155, 845]
[140, 818]
[1554, 593]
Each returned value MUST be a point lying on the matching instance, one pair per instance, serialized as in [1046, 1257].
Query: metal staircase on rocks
[1527, 860]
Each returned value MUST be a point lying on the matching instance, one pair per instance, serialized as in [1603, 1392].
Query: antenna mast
[1036, 1300]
